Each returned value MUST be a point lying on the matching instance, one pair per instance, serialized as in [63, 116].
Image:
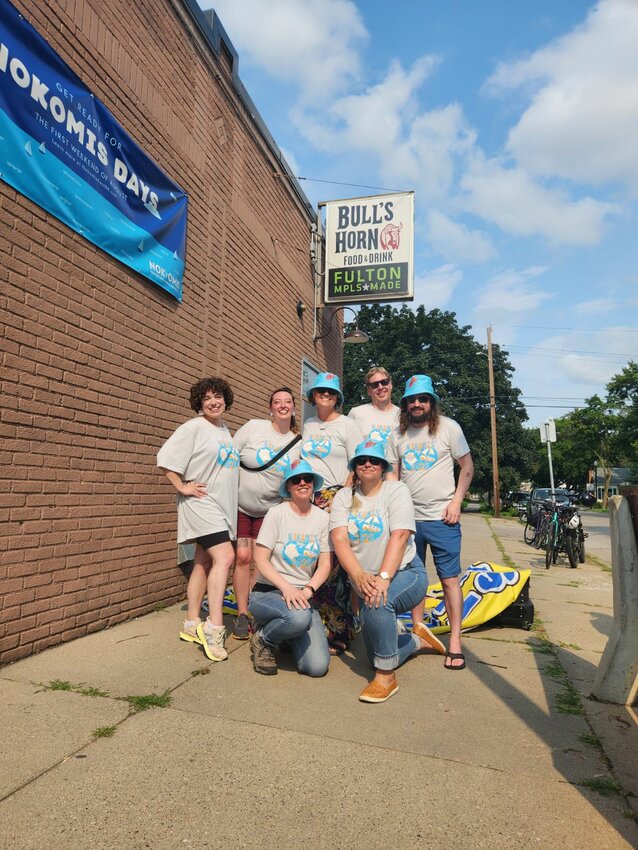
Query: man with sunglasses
[380, 418]
[428, 444]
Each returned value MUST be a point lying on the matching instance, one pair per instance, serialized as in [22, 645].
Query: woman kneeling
[292, 556]
[372, 528]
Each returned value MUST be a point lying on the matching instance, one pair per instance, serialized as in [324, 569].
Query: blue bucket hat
[326, 381]
[299, 467]
[370, 448]
[418, 385]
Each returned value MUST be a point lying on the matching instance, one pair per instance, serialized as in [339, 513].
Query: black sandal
[453, 657]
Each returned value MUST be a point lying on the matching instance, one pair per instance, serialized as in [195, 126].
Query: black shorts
[206, 541]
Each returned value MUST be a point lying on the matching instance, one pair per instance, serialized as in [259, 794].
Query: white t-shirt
[200, 451]
[378, 425]
[427, 465]
[372, 521]
[328, 446]
[295, 542]
[257, 442]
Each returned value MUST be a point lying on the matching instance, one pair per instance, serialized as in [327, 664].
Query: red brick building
[97, 361]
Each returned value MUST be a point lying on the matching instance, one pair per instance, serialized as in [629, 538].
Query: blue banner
[65, 151]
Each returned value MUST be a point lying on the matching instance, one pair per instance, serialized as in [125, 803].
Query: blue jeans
[302, 627]
[386, 649]
[445, 543]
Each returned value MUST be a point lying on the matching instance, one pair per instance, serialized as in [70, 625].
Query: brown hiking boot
[263, 659]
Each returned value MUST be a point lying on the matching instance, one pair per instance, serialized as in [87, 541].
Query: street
[598, 543]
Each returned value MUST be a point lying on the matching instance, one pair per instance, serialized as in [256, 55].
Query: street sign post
[548, 435]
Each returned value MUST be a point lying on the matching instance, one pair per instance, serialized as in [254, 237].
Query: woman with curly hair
[202, 464]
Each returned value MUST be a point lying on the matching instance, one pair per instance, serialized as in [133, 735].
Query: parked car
[516, 499]
[586, 499]
[542, 494]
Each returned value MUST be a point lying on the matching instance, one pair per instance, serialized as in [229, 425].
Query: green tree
[408, 342]
[583, 437]
[604, 432]
[622, 397]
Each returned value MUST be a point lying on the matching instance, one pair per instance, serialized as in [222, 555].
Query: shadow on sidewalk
[550, 729]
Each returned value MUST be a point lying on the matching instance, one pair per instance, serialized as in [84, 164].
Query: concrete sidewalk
[480, 758]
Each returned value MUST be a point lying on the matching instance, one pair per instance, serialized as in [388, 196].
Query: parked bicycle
[553, 535]
[537, 525]
[564, 534]
[573, 535]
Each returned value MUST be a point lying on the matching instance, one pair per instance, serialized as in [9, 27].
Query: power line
[533, 353]
[335, 182]
[556, 397]
[557, 406]
[578, 330]
[569, 351]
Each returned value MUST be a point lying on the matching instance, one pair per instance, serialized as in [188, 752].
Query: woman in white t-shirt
[328, 442]
[372, 529]
[292, 556]
[202, 464]
[258, 442]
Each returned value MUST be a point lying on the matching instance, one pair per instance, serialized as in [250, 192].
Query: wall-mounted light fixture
[300, 308]
[353, 336]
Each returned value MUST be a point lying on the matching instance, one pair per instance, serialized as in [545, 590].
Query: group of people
[336, 519]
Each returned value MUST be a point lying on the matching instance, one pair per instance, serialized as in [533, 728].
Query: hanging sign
[63, 149]
[369, 249]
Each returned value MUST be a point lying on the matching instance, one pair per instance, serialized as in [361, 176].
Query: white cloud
[315, 47]
[435, 152]
[508, 295]
[310, 43]
[585, 359]
[372, 122]
[510, 198]
[595, 306]
[436, 288]
[582, 122]
[456, 241]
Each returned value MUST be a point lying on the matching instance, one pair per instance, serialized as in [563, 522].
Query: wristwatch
[385, 576]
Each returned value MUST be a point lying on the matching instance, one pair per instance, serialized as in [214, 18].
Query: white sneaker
[213, 641]
[189, 631]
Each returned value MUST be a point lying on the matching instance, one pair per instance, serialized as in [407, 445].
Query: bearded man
[427, 445]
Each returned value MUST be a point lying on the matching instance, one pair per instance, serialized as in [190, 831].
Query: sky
[516, 125]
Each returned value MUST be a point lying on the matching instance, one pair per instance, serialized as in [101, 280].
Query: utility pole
[496, 495]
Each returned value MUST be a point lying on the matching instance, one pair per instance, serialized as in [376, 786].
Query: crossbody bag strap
[272, 460]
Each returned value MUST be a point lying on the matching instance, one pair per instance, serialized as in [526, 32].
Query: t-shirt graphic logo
[227, 455]
[419, 456]
[266, 452]
[364, 528]
[301, 550]
[317, 446]
[380, 433]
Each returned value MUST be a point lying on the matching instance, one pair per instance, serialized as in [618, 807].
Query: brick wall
[97, 361]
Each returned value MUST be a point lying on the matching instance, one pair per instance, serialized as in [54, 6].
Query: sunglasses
[306, 478]
[363, 459]
[382, 383]
[326, 391]
[422, 399]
